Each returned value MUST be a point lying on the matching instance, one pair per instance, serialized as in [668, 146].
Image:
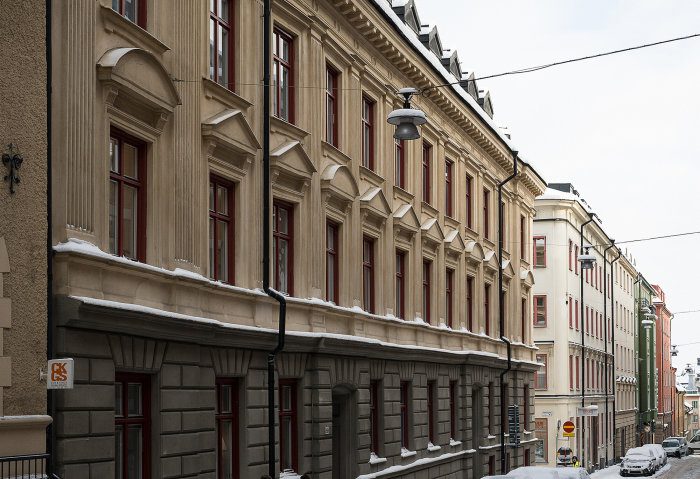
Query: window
[282, 246]
[540, 246]
[400, 284]
[522, 237]
[399, 164]
[492, 465]
[571, 245]
[469, 201]
[426, 172]
[374, 415]
[577, 373]
[487, 315]
[367, 133]
[404, 399]
[576, 259]
[470, 304]
[132, 10]
[571, 316]
[526, 407]
[588, 324]
[576, 313]
[541, 447]
[221, 49]
[332, 106]
[540, 311]
[448, 297]
[541, 374]
[501, 226]
[127, 196]
[227, 428]
[448, 188]
[332, 262]
[283, 75]
[221, 251]
[523, 318]
[426, 291]
[489, 408]
[571, 371]
[431, 411]
[132, 425]
[486, 213]
[453, 410]
[368, 274]
[288, 425]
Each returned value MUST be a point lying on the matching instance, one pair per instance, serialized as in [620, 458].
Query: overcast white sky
[623, 129]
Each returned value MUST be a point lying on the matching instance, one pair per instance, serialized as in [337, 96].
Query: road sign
[60, 374]
[569, 426]
[569, 434]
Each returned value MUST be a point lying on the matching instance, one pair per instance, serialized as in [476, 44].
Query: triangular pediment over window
[228, 134]
[454, 245]
[527, 278]
[508, 270]
[406, 222]
[374, 207]
[291, 167]
[491, 261]
[431, 233]
[475, 252]
[339, 187]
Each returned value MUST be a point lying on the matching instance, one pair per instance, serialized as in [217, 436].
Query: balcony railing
[31, 466]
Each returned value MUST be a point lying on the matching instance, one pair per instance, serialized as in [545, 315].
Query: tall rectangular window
[526, 406]
[399, 164]
[226, 418]
[541, 374]
[486, 213]
[487, 312]
[453, 410]
[426, 172]
[374, 415]
[448, 187]
[426, 291]
[540, 311]
[571, 316]
[571, 371]
[523, 318]
[404, 409]
[283, 75]
[332, 262]
[523, 250]
[540, 253]
[541, 448]
[578, 370]
[431, 411]
[501, 226]
[221, 251]
[400, 284]
[331, 106]
[368, 274]
[288, 425]
[127, 196]
[282, 246]
[489, 407]
[576, 259]
[470, 303]
[132, 426]
[576, 313]
[588, 323]
[571, 246]
[132, 10]
[221, 49]
[469, 201]
[367, 133]
[448, 297]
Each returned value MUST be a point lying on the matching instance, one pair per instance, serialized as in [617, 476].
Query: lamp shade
[587, 260]
[647, 323]
[406, 121]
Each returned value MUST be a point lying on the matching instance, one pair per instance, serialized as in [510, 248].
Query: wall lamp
[586, 259]
[407, 119]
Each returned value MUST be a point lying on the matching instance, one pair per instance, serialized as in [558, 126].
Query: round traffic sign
[569, 426]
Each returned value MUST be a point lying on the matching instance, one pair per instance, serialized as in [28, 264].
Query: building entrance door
[344, 433]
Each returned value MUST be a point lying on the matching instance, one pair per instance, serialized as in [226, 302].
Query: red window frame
[541, 427]
[449, 275]
[374, 415]
[486, 213]
[578, 369]
[469, 201]
[140, 12]
[543, 247]
[576, 313]
[121, 180]
[535, 319]
[278, 237]
[487, 312]
[404, 412]
[292, 413]
[125, 421]
[425, 172]
[332, 262]
[332, 119]
[541, 372]
[453, 419]
[576, 259]
[448, 187]
[232, 416]
[400, 285]
[588, 323]
[470, 306]
[571, 371]
[431, 412]
[571, 316]
[279, 65]
[367, 133]
[216, 21]
[368, 274]
[399, 164]
[215, 216]
[571, 247]
[425, 275]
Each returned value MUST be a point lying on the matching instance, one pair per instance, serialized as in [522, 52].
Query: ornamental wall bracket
[14, 159]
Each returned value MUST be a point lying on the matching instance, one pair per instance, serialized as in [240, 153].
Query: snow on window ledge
[406, 453]
[455, 443]
[432, 447]
[289, 474]
[374, 459]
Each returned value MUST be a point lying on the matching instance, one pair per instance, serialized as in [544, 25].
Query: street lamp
[586, 259]
[407, 119]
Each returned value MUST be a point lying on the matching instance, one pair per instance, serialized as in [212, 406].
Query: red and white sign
[60, 374]
[569, 426]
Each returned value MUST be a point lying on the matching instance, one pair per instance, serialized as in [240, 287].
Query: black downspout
[583, 353]
[501, 318]
[607, 326]
[612, 306]
[267, 60]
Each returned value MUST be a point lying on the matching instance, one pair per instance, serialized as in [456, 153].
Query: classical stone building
[666, 378]
[23, 232]
[386, 250]
[646, 371]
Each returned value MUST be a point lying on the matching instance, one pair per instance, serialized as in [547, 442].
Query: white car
[649, 452]
[637, 464]
[573, 473]
[694, 444]
[534, 472]
[674, 447]
[661, 456]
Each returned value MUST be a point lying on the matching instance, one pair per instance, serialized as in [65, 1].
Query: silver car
[637, 465]
[673, 447]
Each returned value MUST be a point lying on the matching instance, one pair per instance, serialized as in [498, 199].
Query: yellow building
[387, 251]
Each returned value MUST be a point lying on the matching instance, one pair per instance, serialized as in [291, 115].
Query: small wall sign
[60, 375]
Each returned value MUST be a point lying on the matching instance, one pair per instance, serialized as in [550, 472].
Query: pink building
[664, 370]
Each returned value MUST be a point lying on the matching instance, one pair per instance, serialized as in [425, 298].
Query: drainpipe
[267, 60]
[501, 318]
[612, 306]
[583, 351]
[605, 317]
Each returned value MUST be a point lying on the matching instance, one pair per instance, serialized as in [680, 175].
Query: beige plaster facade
[23, 229]
[165, 318]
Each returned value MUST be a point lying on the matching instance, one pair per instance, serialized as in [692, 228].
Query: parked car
[683, 442]
[534, 472]
[646, 451]
[637, 464]
[694, 444]
[661, 456]
[573, 473]
[674, 447]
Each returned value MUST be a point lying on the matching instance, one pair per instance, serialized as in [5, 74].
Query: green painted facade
[646, 370]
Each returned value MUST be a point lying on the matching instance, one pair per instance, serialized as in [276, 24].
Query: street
[685, 468]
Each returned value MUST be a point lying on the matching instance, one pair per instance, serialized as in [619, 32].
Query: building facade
[23, 244]
[646, 353]
[386, 251]
[667, 381]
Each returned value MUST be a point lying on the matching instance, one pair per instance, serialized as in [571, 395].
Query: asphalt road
[684, 468]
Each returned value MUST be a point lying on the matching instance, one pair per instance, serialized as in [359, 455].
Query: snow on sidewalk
[614, 471]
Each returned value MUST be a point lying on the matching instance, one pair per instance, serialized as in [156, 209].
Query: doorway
[344, 433]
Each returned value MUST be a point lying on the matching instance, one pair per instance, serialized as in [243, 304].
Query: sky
[624, 129]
